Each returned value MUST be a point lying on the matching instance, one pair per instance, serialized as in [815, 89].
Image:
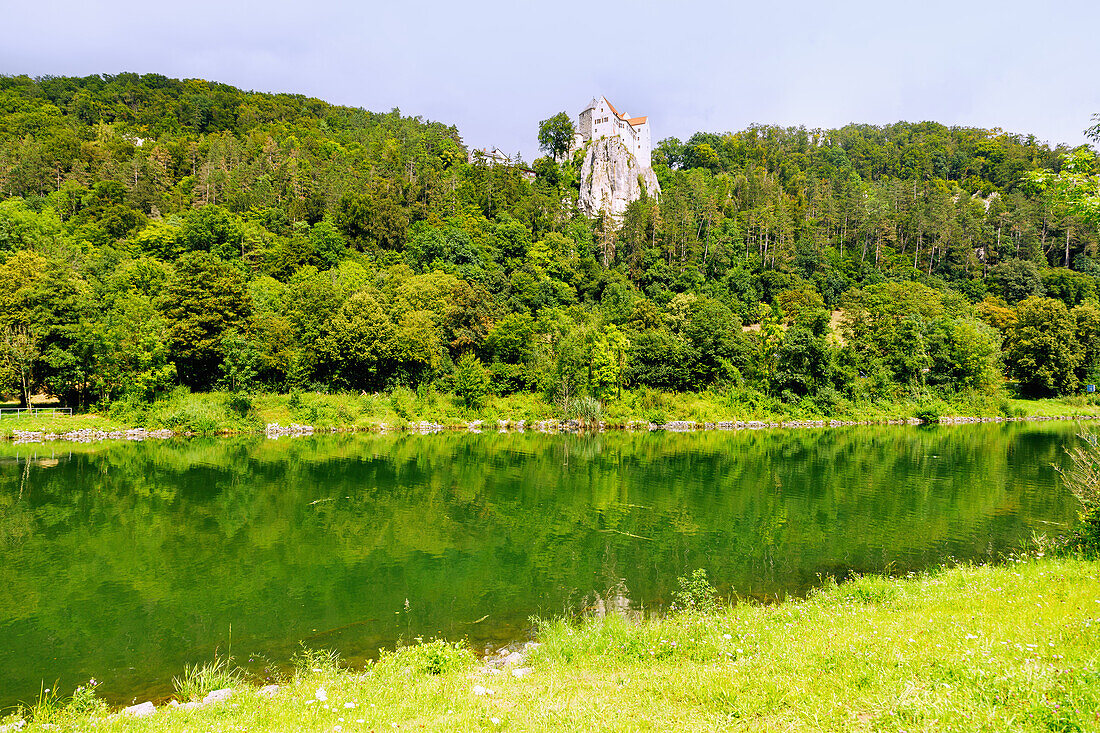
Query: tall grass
[199, 679]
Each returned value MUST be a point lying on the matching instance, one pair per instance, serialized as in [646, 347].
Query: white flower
[349, 704]
[727, 636]
[321, 694]
[494, 721]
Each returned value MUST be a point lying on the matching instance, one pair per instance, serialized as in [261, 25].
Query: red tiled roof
[633, 121]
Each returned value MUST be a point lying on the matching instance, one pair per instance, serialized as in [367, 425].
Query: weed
[433, 657]
[586, 409]
[696, 594]
[307, 661]
[199, 679]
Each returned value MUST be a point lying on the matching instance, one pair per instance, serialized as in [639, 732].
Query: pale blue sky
[495, 69]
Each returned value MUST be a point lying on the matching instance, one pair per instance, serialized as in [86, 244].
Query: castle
[601, 119]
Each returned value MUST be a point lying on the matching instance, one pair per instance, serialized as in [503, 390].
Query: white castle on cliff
[601, 119]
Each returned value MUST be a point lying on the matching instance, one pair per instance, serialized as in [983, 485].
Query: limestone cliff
[609, 178]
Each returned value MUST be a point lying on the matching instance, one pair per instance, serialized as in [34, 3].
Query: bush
[433, 657]
[696, 594]
[928, 414]
[1082, 478]
[586, 409]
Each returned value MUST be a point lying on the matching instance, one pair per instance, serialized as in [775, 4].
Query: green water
[124, 562]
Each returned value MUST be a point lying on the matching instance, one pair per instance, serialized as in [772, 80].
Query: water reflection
[124, 562]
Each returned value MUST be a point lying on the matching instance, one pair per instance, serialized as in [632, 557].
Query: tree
[609, 362]
[205, 299]
[556, 135]
[357, 350]
[18, 352]
[471, 381]
[1015, 280]
[1043, 351]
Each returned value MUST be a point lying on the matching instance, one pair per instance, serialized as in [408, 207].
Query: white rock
[609, 178]
[268, 691]
[217, 696]
[521, 672]
[140, 711]
[513, 659]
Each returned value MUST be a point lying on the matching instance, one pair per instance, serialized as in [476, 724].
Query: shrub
[433, 657]
[586, 409]
[928, 414]
[1082, 478]
[696, 594]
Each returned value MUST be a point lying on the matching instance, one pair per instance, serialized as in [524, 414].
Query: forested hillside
[157, 232]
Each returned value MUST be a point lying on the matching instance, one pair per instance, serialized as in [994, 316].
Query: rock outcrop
[610, 178]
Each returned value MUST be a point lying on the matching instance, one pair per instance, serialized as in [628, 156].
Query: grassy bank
[215, 412]
[1008, 648]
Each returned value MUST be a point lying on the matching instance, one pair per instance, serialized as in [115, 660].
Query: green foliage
[556, 135]
[587, 410]
[471, 381]
[199, 679]
[1042, 350]
[308, 660]
[156, 232]
[696, 594]
[435, 657]
[1082, 478]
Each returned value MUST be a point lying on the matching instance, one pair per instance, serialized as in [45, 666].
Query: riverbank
[184, 413]
[1014, 647]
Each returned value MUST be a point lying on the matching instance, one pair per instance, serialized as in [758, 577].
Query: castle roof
[632, 121]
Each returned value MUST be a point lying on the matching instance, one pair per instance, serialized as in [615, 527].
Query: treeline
[156, 232]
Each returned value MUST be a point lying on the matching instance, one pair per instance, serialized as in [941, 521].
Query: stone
[610, 178]
[268, 691]
[141, 710]
[513, 659]
[521, 672]
[217, 696]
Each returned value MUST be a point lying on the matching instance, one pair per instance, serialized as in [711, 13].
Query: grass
[220, 412]
[1014, 647]
[199, 679]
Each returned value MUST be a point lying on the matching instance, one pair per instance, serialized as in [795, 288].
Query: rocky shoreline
[295, 430]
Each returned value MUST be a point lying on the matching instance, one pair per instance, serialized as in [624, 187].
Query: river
[126, 561]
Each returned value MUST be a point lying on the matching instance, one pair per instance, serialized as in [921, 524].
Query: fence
[35, 412]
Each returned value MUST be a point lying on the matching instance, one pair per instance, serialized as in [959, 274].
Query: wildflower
[321, 694]
[727, 636]
[349, 704]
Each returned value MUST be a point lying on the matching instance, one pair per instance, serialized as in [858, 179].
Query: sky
[495, 69]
